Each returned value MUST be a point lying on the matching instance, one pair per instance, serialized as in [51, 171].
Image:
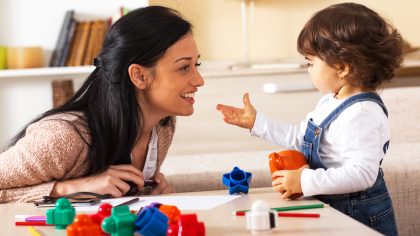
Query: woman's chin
[186, 112]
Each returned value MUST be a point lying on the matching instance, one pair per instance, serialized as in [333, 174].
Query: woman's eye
[185, 68]
[197, 64]
[308, 65]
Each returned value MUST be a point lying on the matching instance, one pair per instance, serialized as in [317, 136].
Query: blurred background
[227, 32]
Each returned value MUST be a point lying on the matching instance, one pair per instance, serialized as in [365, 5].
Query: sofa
[212, 155]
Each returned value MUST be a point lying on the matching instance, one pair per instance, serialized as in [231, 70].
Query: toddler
[350, 52]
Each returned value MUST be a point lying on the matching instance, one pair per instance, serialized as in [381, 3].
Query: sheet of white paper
[192, 203]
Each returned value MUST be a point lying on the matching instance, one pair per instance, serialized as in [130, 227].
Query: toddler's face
[324, 77]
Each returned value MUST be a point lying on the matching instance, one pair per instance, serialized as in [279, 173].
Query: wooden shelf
[48, 73]
[83, 71]
[410, 68]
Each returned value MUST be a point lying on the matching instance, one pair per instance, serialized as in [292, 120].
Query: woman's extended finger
[127, 176]
[162, 183]
[128, 168]
[114, 191]
[167, 189]
[160, 188]
[122, 186]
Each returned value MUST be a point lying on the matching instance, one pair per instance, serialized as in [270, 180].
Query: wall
[25, 23]
[276, 24]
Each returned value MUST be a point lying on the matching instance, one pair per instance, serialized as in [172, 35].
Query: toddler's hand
[287, 182]
[242, 117]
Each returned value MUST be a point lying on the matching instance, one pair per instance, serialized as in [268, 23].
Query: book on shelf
[69, 37]
[95, 41]
[79, 42]
[61, 41]
[70, 60]
[81, 47]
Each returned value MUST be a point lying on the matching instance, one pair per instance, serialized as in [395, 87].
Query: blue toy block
[237, 181]
[151, 222]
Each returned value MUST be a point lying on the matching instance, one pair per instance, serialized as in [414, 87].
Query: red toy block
[188, 225]
[104, 211]
[83, 225]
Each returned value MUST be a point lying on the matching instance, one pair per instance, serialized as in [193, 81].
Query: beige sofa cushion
[404, 115]
[189, 173]
[402, 175]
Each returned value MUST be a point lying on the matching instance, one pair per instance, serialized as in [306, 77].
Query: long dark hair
[107, 98]
[352, 34]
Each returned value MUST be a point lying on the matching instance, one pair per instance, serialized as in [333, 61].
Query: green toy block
[62, 214]
[120, 223]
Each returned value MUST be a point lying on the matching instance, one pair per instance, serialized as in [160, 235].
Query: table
[219, 221]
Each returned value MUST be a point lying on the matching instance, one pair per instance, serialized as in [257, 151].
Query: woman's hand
[111, 181]
[163, 186]
[242, 117]
[287, 182]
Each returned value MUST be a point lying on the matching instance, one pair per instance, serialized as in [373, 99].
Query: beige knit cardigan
[53, 149]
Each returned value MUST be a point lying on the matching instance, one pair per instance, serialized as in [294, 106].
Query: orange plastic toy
[83, 225]
[287, 160]
[172, 212]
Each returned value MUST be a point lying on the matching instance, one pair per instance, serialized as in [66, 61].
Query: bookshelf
[73, 72]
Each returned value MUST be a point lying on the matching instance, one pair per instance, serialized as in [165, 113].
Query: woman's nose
[198, 80]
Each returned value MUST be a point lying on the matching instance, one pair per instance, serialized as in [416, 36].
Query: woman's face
[175, 80]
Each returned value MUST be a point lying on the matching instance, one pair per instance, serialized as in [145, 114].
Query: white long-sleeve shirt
[351, 147]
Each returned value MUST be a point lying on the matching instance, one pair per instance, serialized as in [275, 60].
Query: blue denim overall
[373, 206]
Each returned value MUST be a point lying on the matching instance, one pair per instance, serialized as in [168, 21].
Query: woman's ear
[138, 76]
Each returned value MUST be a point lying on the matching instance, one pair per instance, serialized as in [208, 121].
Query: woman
[119, 125]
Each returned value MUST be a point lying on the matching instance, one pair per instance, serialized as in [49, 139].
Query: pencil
[292, 208]
[33, 231]
[282, 214]
[129, 202]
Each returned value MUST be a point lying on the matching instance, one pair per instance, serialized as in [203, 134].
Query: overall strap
[369, 96]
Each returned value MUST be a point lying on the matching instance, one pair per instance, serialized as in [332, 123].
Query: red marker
[20, 223]
[284, 214]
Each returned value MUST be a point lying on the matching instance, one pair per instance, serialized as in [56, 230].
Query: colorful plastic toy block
[104, 211]
[260, 219]
[287, 160]
[237, 181]
[62, 214]
[120, 223]
[151, 222]
[172, 212]
[82, 226]
[188, 225]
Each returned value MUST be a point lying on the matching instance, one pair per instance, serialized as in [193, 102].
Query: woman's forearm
[65, 187]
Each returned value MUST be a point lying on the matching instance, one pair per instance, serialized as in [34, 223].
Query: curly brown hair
[354, 35]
